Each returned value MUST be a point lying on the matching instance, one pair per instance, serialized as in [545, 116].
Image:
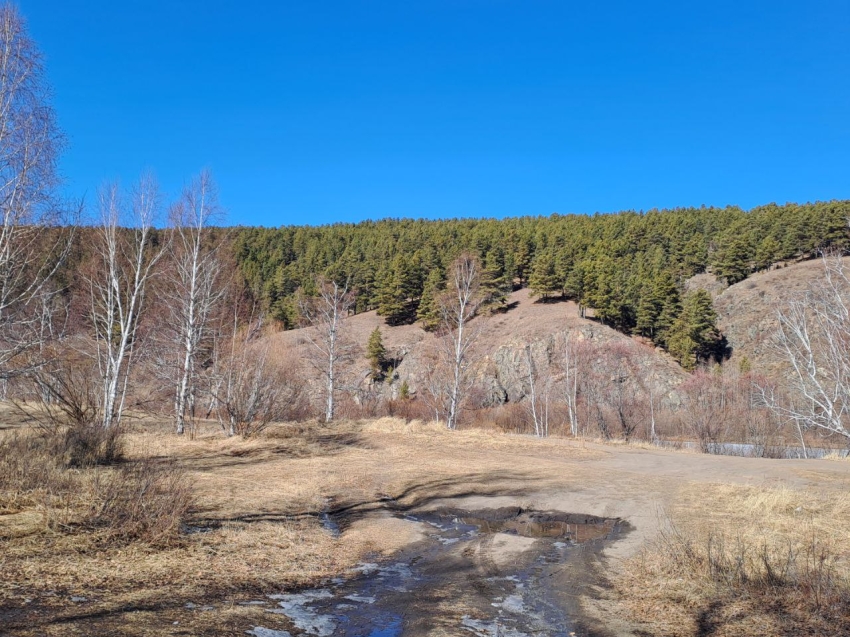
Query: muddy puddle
[494, 572]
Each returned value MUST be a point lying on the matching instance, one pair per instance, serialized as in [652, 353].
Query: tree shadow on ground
[412, 497]
[311, 445]
[154, 612]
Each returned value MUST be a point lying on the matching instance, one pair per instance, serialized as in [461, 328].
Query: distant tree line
[629, 267]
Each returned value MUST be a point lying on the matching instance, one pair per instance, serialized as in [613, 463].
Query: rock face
[707, 282]
[502, 368]
[747, 316]
[502, 373]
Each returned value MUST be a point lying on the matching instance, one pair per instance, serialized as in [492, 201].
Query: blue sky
[316, 112]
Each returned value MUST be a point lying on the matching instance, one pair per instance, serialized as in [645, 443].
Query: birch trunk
[127, 261]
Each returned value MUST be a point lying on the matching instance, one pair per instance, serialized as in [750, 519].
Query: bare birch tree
[29, 146]
[540, 384]
[814, 338]
[458, 306]
[195, 291]
[570, 364]
[325, 315]
[127, 257]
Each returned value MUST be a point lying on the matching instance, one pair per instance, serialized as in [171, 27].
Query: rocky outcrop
[502, 373]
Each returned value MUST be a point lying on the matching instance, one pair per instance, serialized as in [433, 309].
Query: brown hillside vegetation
[747, 311]
[528, 321]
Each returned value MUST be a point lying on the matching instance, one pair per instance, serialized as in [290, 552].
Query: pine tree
[389, 300]
[694, 336]
[494, 284]
[767, 253]
[734, 254]
[376, 353]
[666, 306]
[694, 257]
[544, 280]
[397, 292]
[429, 311]
[647, 315]
[523, 255]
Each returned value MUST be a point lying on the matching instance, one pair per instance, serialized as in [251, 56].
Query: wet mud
[505, 572]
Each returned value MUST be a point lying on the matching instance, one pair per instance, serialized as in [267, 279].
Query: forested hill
[628, 266]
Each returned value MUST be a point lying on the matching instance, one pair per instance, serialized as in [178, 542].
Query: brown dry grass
[837, 457]
[260, 499]
[734, 560]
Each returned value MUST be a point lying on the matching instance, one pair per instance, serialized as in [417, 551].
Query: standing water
[507, 572]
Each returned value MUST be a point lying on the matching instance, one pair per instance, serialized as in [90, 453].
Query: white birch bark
[458, 307]
[29, 145]
[325, 315]
[571, 381]
[195, 290]
[127, 261]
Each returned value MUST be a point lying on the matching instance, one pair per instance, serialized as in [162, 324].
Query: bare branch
[127, 261]
[325, 315]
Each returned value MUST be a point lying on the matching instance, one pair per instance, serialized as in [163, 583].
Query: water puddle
[537, 524]
[327, 521]
[508, 572]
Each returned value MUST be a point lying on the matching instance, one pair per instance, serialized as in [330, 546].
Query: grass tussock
[144, 501]
[391, 425]
[837, 456]
[760, 561]
[86, 446]
[60, 477]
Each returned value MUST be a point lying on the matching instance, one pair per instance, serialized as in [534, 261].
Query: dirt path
[421, 470]
[260, 509]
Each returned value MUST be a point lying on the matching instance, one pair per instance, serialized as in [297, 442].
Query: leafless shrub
[62, 397]
[612, 392]
[706, 410]
[145, 501]
[256, 389]
[777, 576]
[28, 470]
[406, 408]
[62, 390]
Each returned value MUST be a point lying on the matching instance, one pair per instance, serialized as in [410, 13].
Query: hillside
[747, 311]
[629, 266]
[746, 316]
[501, 345]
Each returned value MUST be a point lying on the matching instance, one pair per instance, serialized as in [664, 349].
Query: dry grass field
[718, 545]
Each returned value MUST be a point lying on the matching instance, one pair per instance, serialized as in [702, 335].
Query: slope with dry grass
[747, 311]
[501, 342]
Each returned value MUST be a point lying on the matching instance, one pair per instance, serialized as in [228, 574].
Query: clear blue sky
[315, 112]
